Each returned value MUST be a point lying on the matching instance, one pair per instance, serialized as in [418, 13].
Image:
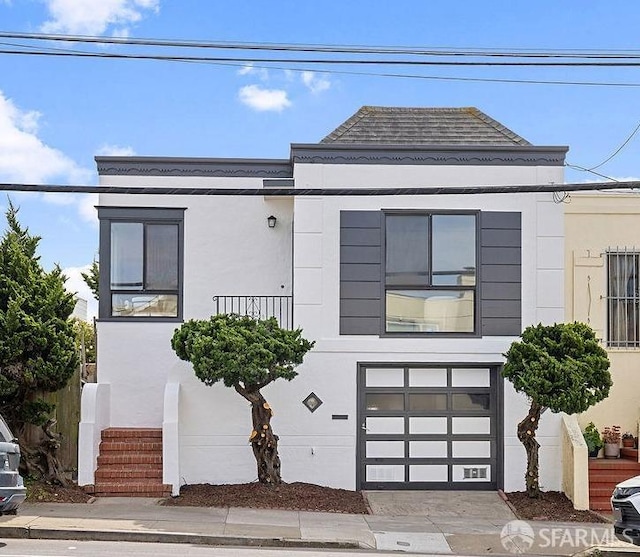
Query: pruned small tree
[246, 354]
[560, 367]
[37, 346]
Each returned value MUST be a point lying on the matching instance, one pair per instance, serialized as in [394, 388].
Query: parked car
[625, 503]
[12, 490]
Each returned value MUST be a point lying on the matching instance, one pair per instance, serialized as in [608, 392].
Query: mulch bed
[287, 496]
[551, 505]
[43, 492]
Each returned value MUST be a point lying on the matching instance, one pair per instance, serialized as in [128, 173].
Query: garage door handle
[364, 426]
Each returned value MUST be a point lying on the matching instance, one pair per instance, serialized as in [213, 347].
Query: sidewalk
[444, 530]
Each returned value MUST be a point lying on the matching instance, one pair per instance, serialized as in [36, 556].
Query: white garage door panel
[428, 473]
[388, 425]
[385, 449]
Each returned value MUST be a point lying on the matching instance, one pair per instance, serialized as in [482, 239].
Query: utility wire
[622, 146]
[340, 49]
[330, 61]
[328, 192]
[591, 171]
[369, 74]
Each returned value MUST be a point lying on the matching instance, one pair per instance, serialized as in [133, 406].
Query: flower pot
[628, 443]
[594, 453]
[611, 450]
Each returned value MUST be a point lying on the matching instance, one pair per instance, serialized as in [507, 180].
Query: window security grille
[623, 298]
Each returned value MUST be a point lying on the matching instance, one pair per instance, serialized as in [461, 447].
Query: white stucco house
[412, 299]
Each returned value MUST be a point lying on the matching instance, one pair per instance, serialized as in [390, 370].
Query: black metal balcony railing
[258, 307]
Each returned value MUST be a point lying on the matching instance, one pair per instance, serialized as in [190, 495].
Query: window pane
[468, 401]
[162, 257]
[453, 250]
[141, 305]
[428, 401]
[126, 256]
[385, 401]
[407, 245]
[623, 299]
[439, 311]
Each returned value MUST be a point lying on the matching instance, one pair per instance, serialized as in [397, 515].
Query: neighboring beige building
[602, 256]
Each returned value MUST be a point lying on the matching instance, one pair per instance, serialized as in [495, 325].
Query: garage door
[429, 427]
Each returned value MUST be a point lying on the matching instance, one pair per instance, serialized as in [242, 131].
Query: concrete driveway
[436, 505]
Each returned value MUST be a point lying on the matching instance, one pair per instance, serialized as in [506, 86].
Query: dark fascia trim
[181, 166]
[278, 183]
[477, 155]
[140, 213]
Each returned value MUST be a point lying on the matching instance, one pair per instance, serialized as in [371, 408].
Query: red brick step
[130, 464]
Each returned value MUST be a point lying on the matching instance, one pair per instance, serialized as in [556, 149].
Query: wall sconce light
[271, 221]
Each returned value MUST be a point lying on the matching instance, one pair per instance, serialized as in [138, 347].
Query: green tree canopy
[245, 354]
[92, 279]
[37, 342]
[561, 367]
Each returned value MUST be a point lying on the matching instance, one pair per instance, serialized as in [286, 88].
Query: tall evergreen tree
[37, 350]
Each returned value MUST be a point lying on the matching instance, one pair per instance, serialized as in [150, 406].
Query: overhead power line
[330, 61]
[326, 192]
[339, 49]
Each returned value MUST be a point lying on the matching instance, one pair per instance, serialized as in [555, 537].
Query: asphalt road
[55, 548]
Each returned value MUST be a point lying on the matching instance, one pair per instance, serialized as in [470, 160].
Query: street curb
[509, 504]
[164, 537]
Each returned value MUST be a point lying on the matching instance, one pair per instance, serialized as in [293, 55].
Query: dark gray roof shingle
[423, 126]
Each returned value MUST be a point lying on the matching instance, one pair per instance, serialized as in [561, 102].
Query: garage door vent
[473, 473]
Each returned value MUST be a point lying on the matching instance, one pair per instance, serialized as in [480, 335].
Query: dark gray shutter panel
[360, 272]
[500, 273]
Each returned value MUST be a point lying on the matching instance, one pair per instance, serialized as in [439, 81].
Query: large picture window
[430, 272]
[623, 298]
[141, 263]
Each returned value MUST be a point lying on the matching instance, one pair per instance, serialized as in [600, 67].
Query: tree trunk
[263, 441]
[40, 458]
[527, 435]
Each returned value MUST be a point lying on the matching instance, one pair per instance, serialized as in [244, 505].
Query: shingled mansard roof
[426, 126]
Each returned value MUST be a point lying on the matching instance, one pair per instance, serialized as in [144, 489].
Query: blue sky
[56, 114]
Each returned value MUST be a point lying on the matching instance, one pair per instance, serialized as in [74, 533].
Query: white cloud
[96, 17]
[75, 284]
[261, 99]
[107, 150]
[314, 82]
[250, 69]
[24, 157]
[87, 208]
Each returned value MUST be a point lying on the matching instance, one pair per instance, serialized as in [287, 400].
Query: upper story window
[141, 263]
[430, 272]
[623, 298]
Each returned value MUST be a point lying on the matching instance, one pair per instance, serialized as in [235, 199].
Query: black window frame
[385, 287]
[145, 216]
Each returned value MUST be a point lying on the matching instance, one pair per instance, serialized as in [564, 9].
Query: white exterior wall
[330, 370]
[230, 250]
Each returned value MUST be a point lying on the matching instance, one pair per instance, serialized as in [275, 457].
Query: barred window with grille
[623, 298]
